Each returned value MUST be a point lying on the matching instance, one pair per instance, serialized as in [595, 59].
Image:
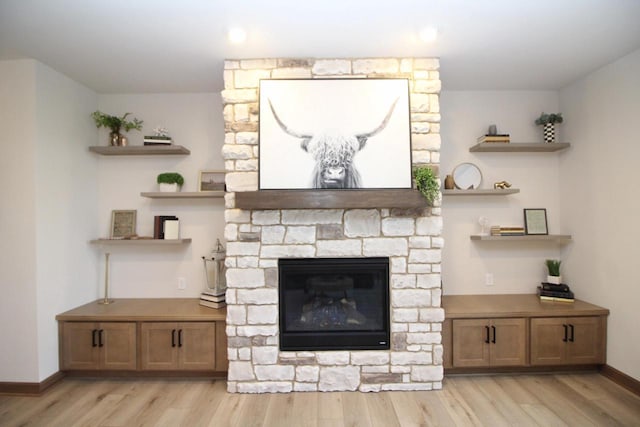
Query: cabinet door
[197, 346]
[117, 343]
[548, 345]
[586, 340]
[159, 345]
[470, 342]
[508, 342]
[79, 345]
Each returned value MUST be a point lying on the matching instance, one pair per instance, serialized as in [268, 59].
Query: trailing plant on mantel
[553, 265]
[427, 183]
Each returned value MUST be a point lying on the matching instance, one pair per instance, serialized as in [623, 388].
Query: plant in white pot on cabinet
[170, 182]
[553, 266]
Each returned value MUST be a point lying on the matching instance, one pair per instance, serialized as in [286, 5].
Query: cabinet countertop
[514, 305]
[145, 309]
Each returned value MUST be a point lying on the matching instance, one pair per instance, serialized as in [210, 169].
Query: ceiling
[151, 46]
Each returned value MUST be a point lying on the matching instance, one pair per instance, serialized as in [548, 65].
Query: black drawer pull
[565, 333]
[487, 339]
[493, 329]
[571, 336]
[173, 338]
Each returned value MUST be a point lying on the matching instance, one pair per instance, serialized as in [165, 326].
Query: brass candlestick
[106, 299]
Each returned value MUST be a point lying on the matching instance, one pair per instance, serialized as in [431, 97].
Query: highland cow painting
[334, 134]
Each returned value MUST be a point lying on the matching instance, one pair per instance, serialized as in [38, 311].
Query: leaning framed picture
[535, 221]
[334, 134]
[211, 181]
[123, 223]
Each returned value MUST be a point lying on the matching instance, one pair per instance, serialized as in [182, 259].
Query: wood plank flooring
[586, 399]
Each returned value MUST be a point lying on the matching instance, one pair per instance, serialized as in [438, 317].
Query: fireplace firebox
[334, 303]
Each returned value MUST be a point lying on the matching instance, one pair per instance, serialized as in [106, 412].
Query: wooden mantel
[330, 199]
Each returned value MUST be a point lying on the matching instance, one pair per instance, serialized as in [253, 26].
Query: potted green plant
[549, 121]
[427, 183]
[553, 267]
[116, 125]
[170, 181]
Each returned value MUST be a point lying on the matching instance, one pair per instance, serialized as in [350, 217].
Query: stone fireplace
[258, 240]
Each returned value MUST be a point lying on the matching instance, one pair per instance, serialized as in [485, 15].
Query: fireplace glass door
[334, 303]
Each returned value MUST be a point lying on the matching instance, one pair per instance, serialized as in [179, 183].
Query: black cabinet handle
[100, 344]
[565, 333]
[173, 338]
[493, 329]
[487, 339]
[93, 338]
[180, 338]
[571, 329]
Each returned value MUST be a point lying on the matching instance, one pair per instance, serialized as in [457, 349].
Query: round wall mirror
[467, 176]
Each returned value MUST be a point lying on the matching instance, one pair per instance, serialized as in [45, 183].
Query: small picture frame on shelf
[123, 224]
[535, 222]
[211, 181]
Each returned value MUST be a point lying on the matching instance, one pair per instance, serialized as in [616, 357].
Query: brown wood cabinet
[172, 335]
[567, 341]
[485, 332]
[98, 345]
[182, 346]
[489, 342]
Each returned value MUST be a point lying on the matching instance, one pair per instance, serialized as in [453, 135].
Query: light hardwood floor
[505, 400]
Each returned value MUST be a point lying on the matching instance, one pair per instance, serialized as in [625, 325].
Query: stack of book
[497, 230]
[212, 300]
[502, 138]
[553, 292]
[157, 140]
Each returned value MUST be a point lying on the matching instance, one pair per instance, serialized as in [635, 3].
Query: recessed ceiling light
[428, 34]
[237, 35]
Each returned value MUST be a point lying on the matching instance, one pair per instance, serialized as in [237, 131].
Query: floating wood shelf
[560, 238]
[139, 150]
[488, 192]
[330, 199]
[147, 242]
[184, 195]
[519, 147]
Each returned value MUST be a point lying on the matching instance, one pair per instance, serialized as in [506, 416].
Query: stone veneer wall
[256, 239]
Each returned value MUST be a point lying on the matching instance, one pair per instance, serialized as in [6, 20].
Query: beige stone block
[242, 181]
[325, 67]
[291, 73]
[375, 66]
[250, 64]
[234, 96]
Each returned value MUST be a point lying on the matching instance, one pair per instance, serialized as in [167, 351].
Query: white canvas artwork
[335, 134]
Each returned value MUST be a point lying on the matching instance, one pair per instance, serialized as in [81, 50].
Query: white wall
[194, 121]
[517, 267]
[66, 205]
[18, 319]
[600, 202]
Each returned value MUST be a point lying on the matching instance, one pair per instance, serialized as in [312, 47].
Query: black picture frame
[535, 222]
[334, 134]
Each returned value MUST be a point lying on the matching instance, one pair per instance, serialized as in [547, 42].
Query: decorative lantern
[214, 270]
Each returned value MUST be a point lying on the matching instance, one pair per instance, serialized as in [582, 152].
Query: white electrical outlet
[182, 283]
[488, 279]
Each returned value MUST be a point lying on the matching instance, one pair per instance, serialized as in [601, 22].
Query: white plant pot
[168, 188]
[556, 280]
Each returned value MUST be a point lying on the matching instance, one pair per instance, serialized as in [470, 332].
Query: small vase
[549, 133]
[448, 183]
[114, 139]
[168, 188]
[556, 280]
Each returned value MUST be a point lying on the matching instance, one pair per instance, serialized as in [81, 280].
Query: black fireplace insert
[334, 303]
